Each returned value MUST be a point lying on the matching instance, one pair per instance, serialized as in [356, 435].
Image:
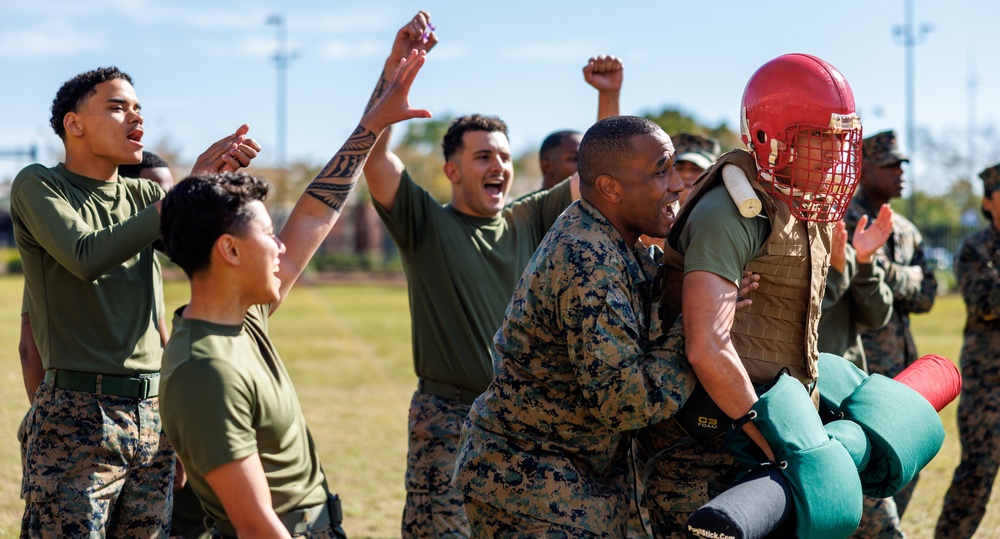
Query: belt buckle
[143, 387]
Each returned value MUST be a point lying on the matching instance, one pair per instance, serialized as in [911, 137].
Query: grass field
[347, 347]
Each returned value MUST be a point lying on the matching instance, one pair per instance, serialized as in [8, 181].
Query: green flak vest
[781, 328]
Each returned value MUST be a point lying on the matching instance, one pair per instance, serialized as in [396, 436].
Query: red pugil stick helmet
[798, 118]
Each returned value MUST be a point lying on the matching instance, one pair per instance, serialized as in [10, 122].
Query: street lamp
[282, 58]
[910, 37]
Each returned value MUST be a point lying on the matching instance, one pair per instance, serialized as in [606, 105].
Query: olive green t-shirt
[462, 271]
[226, 395]
[86, 250]
[717, 239]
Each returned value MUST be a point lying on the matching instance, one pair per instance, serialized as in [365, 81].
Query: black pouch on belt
[333, 506]
[701, 418]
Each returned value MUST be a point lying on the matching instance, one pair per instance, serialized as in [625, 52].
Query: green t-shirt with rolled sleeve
[462, 271]
[717, 239]
[226, 395]
[86, 250]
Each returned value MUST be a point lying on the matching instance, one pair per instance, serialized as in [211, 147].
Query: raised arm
[384, 169]
[605, 74]
[320, 205]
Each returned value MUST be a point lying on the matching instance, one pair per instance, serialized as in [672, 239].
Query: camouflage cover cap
[697, 149]
[881, 149]
[991, 178]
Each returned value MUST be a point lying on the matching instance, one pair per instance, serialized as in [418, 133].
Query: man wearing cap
[695, 153]
[907, 272]
[979, 408]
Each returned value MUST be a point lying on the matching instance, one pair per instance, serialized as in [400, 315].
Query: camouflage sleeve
[919, 299]
[978, 277]
[624, 387]
[872, 297]
[904, 281]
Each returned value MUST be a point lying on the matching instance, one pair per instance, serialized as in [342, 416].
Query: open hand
[868, 239]
[394, 105]
[748, 283]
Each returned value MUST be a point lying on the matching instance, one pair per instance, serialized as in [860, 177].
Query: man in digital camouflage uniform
[462, 262]
[544, 450]
[799, 119]
[977, 268]
[94, 460]
[910, 277]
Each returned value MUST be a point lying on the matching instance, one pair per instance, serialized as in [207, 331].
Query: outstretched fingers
[394, 105]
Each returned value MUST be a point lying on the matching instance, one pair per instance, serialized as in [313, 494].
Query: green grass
[347, 347]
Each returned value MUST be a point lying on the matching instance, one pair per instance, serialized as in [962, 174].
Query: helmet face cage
[814, 169]
[799, 119]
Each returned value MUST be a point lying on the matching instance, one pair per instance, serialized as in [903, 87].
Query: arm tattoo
[332, 194]
[334, 183]
[383, 83]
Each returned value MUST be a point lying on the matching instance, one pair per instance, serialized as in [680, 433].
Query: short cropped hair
[203, 207]
[553, 141]
[75, 91]
[452, 142]
[149, 160]
[607, 145]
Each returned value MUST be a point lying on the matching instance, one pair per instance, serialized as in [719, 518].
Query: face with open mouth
[110, 121]
[651, 187]
[481, 173]
[262, 250]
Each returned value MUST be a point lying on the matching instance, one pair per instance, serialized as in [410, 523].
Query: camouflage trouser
[490, 522]
[433, 506]
[979, 432]
[879, 520]
[639, 526]
[684, 479]
[94, 466]
[905, 494]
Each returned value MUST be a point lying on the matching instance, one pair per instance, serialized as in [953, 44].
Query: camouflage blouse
[574, 371]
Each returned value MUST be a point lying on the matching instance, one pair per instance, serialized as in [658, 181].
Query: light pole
[910, 37]
[282, 58]
[971, 84]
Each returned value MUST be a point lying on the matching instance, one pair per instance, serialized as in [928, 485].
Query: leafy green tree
[675, 121]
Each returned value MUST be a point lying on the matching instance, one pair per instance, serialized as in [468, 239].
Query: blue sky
[202, 68]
